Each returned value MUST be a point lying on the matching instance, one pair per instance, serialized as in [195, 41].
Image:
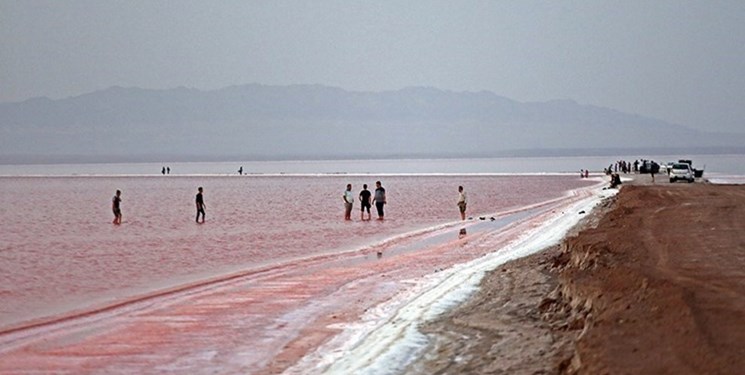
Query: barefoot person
[348, 202]
[115, 207]
[462, 202]
[379, 199]
[200, 204]
[365, 203]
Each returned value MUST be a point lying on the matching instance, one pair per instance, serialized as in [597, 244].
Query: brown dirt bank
[653, 284]
[662, 278]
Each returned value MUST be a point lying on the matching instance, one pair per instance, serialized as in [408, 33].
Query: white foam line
[727, 180]
[387, 340]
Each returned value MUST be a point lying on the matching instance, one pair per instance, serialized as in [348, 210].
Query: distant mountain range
[312, 121]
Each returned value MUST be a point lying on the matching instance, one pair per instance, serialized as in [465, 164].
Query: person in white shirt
[462, 202]
[348, 201]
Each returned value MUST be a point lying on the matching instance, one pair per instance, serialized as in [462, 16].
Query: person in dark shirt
[200, 205]
[365, 202]
[115, 207]
[379, 199]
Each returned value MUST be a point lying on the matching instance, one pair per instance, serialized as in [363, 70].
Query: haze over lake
[312, 121]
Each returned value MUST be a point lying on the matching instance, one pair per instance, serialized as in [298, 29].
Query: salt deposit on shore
[654, 284]
[388, 338]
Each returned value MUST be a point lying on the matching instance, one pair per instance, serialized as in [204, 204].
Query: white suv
[681, 171]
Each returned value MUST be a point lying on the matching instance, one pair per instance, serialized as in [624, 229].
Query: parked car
[649, 166]
[697, 173]
[681, 171]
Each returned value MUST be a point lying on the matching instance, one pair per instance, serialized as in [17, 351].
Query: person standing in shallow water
[348, 202]
[365, 203]
[462, 202]
[115, 207]
[200, 204]
[379, 199]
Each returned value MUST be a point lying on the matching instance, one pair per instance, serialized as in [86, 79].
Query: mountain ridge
[310, 120]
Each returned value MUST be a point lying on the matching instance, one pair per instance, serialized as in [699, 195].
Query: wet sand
[653, 281]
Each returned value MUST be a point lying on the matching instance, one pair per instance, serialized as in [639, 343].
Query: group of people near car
[379, 200]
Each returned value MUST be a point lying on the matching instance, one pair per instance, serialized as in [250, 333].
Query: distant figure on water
[365, 196]
[200, 204]
[348, 202]
[379, 199]
[462, 202]
[115, 207]
[163, 171]
[168, 170]
[240, 171]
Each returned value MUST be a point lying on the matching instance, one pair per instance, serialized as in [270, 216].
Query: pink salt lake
[250, 291]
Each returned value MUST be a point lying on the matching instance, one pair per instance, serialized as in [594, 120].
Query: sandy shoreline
[653, 281]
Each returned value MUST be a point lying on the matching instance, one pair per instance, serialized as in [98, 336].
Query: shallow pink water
[60, 252]
[62, 255]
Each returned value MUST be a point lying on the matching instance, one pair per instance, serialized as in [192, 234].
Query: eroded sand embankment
[653, 283]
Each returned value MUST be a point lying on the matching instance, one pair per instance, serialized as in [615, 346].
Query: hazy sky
[681, 61]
